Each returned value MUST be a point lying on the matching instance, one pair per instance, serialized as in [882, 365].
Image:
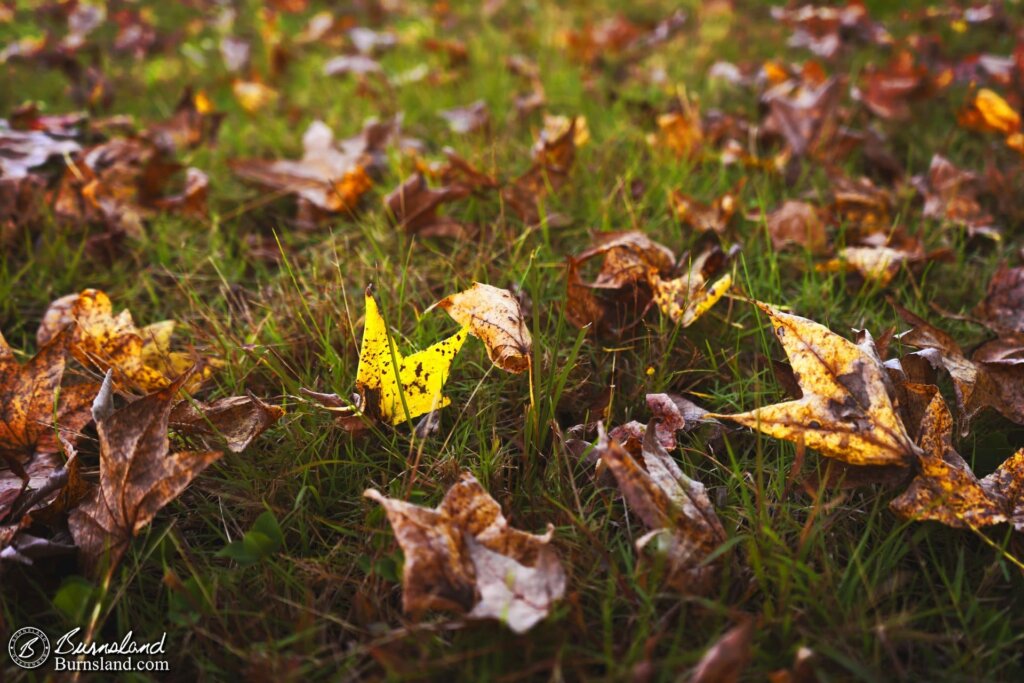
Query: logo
[29, 647]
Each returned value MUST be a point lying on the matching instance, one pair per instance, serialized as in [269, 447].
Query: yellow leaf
[141, 359]
[687, 297]
[416, 389]
[995, 113]
[845, 412]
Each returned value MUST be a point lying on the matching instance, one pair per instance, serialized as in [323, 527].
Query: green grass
[874, 597]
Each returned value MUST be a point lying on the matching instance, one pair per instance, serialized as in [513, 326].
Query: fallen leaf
[989, 112]
[977, 384]
[951, 194]
[359, 65]
[683, 526]
[138, 477]
[414, 205]
[799, 223]
[845, 411]
[236, 420]
[469, 119]
[253, 96]
[495, 317]
[462, 556]
[328, 176]
[35, 411]
[727, 659]
[1003, 306]
[713, 217]
[416, 388]
[141, 358]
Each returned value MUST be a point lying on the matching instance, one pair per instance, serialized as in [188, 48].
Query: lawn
[276, 293]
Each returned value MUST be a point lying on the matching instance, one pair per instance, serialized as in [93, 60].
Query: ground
[873, 596]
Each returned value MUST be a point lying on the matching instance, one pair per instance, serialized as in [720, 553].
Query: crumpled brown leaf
[469, 119]
[713, 217]
[799, 223]
[1003, 307]
[414, 205]
[683, 525]
[138, 477]
[493, 316]
[978, 383]
[553, 157]
[236, 420]
[951, 194]
[462, 556]
[846, 411]
[727, 659]
[330, 176]
[35, 411]
[945, 489]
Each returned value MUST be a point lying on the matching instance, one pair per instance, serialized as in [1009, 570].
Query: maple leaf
[978, 383]
[946, 490]
[416, 388]
[493, 316]
[463, 556]
[332, 177]
[141, 358]
[845, 411]
[34, 409]
[414, 205]
[682, 523]
[138, 477]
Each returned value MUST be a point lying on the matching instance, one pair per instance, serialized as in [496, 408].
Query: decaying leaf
[727, 659]
[553, 157]
[1003, 306]
[34, 409]
[713, 217]
[980, 382]
[141, 358]
[236, 420]
[946, 490]
[330, 176]
[414, 205]
[799, 223]
[462, 556]
[416, 387]
[951, 194]
[635, 271]
[495, 317]
[138, 477]
[846, 411]
[683, 525]
[988, 111]
[469, 119]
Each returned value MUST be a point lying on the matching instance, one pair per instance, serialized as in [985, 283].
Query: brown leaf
[469, 119]
[495, 317]
[330, 176]
[1003, 306]
[951, 194]
[727, 659]
[138, 477]
[889, 91]
[553, 157]
[683, 526]
[797, 223]
[713, 217]
[462, 556]
[846, 411]
[34, 409]
[192, 124]
[414, 205]
[359, 65]
[237, 420]
[978, 385]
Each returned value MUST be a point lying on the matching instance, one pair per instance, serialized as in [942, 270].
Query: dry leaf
[469, 119]
[237, 420]
[462, 556]
[495, 317]
[683, 526]
[414, 205]
[138, 477]
[332, 177]
[845, 411]
[1003, 306]
[727, 659]
[34, 408]
[797, 223]
[141, 358]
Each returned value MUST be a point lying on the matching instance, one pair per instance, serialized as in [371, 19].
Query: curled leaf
[462, 556]
[495, 317]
